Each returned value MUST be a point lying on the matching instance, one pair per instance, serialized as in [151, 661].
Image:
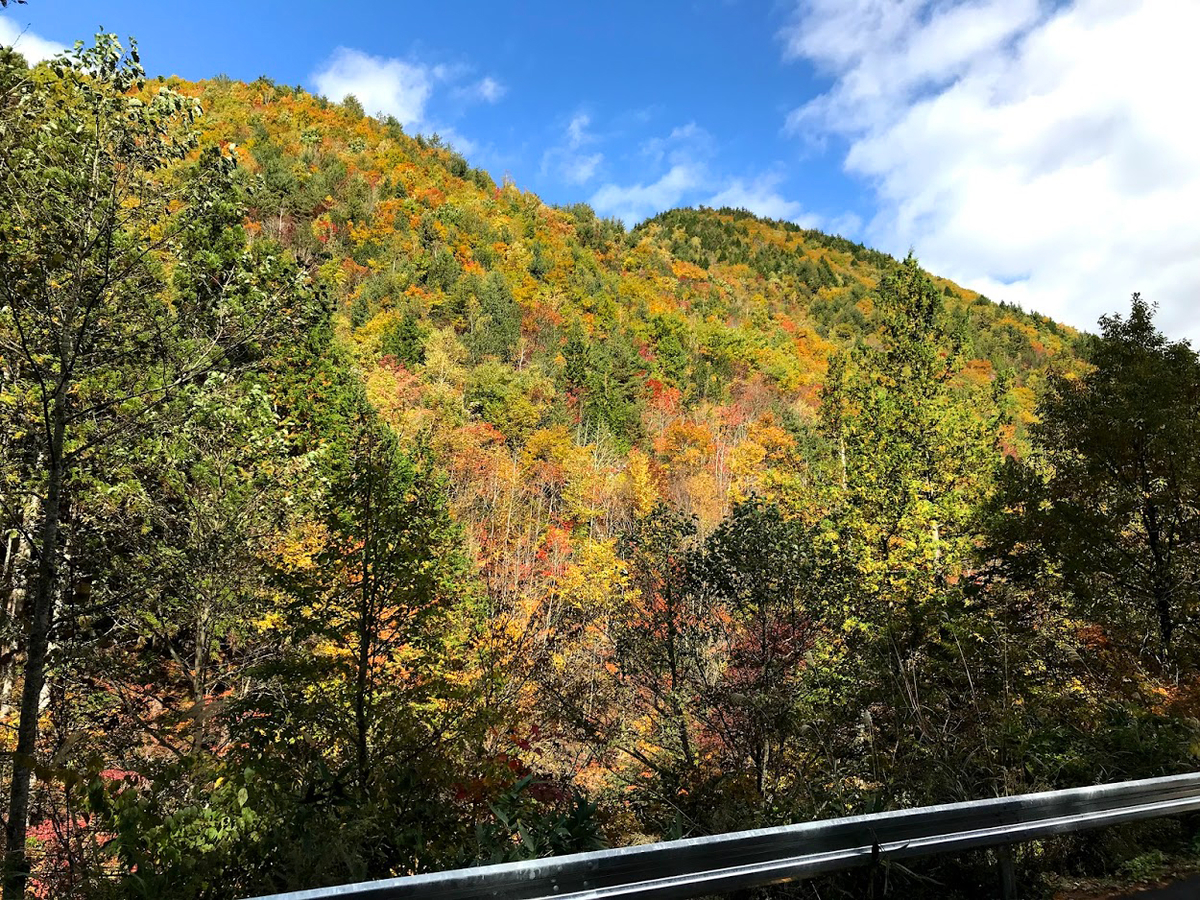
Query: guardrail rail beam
[745, 859]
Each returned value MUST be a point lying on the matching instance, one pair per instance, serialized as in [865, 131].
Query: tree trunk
[200, 679]
[1166, 621]
[1161, 581]
[360, 698]
[16, 563]
[680, 712]
[366, 635]
[16, 868]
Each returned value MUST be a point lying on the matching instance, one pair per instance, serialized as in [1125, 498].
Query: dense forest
[361, 516]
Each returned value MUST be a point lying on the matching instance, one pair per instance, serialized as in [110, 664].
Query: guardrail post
[1008, 874]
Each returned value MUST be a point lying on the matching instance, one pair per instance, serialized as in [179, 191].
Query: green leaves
[496, 327]
[126, 283]
[916, 458]
[1113, 497]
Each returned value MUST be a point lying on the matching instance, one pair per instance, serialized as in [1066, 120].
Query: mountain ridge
[477, 313]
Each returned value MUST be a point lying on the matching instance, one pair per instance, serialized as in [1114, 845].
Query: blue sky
[1036, 150]
[628, 74]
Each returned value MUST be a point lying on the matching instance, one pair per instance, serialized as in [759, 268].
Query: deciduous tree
[122, 282]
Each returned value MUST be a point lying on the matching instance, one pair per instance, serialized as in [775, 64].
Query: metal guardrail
[744, 859]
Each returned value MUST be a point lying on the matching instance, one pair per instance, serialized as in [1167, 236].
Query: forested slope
[469, 305]
[364, 516]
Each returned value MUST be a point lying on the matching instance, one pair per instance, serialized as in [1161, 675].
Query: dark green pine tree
[1117, 506]
[404, 341]
[496, 328]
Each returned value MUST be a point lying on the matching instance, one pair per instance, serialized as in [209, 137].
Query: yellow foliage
[298, 548]
[594, 579]
[639, 486]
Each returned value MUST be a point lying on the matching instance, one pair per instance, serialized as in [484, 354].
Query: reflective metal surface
[725, 862]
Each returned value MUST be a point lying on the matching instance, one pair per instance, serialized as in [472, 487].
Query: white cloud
[690, 176]
[848, 225]
[581, 168]
[567, 160]
[405, 89]
[490, 89]
[29, 45]
[1042, 153]
[485, 90]
[761, 196]
[382, 85]
[683, 144]
[632, 203]
[577, 133]
[684, 153]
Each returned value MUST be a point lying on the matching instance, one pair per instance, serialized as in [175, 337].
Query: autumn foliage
[514, 532]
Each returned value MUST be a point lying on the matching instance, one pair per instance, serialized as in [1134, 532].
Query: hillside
[500, 324]
[363, 516]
